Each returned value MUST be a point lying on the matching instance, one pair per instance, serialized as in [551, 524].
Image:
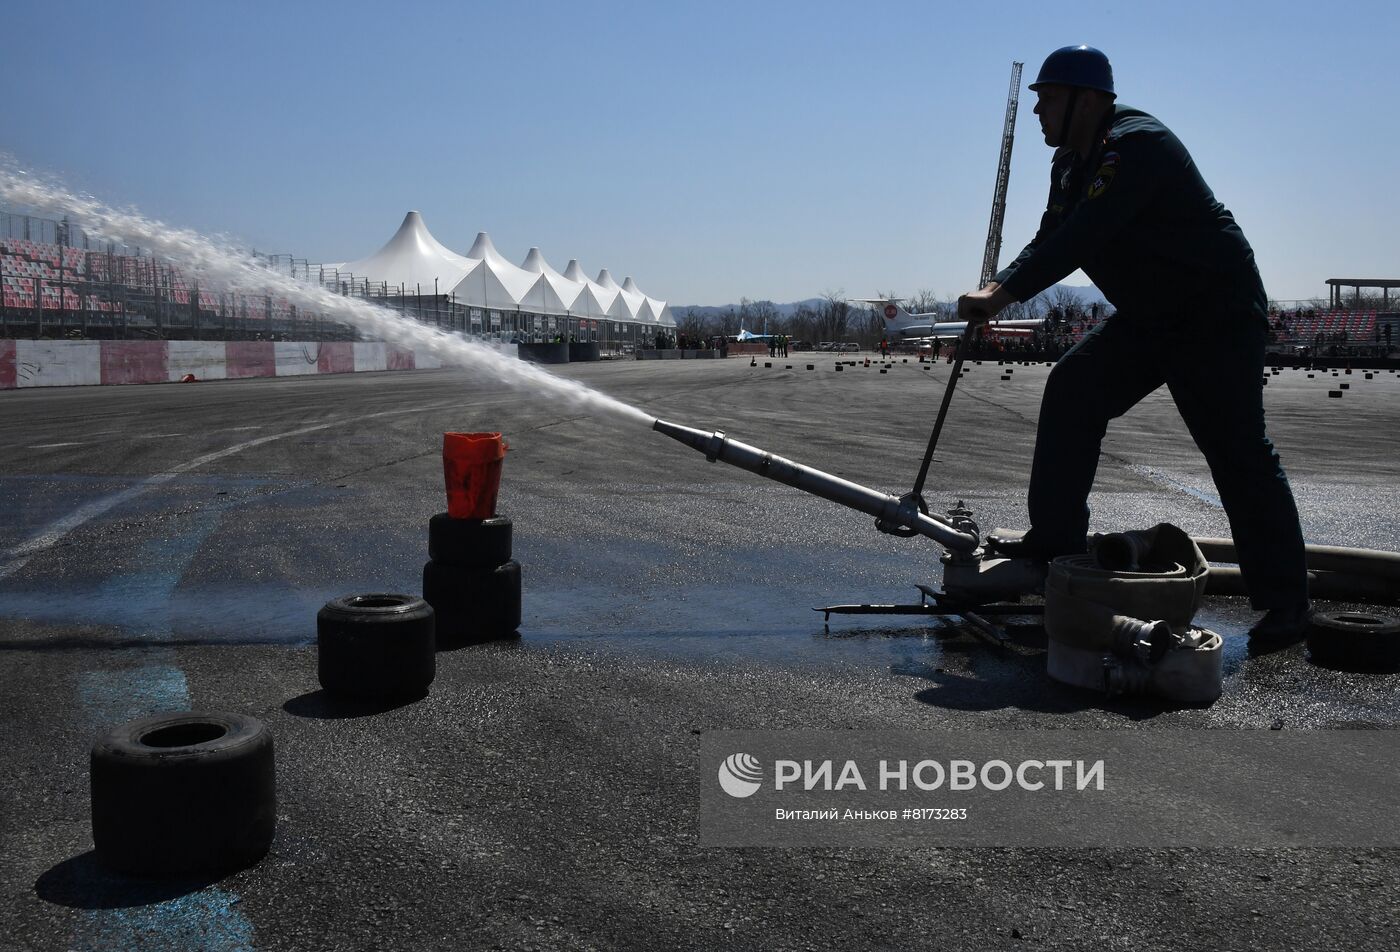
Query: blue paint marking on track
[141, 599]
[207, 919]
[276, 614]
[185, 588]
[115, 696]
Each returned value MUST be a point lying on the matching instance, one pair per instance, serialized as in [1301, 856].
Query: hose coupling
[716, 447]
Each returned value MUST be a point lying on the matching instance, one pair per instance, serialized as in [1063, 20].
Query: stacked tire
[470, 579]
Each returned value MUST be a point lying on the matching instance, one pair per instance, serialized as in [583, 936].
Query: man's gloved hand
[979, 307]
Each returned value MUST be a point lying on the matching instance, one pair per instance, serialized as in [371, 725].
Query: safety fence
[58, 283]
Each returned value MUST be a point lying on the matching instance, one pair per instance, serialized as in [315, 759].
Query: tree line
[834, 318]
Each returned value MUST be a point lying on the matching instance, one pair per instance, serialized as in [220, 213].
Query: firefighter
[1129, 207]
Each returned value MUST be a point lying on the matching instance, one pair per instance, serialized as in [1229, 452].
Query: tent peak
[482, 246]
[414, 229]
[411, 257]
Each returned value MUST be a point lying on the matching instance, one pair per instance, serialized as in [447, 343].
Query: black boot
[1023, 548]
[1279, 628]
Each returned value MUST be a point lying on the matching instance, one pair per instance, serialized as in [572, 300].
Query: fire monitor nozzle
[886, 508]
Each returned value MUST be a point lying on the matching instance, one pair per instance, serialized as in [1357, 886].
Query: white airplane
[901, 326]
[744, 335]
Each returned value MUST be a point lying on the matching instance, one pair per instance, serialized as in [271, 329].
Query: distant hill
[1086, 295]
[714, 310]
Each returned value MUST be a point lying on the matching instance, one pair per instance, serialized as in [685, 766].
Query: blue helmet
[1081, 66]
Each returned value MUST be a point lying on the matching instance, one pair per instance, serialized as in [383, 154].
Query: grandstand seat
[55, 278]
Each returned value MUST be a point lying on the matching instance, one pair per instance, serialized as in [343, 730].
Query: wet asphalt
[544, 793]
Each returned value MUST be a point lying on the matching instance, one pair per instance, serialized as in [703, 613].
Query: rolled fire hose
[1128, 630]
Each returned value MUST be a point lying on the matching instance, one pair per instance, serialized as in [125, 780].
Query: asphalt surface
[544, 793]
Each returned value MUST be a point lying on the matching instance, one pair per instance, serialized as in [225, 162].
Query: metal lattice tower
[993, 252]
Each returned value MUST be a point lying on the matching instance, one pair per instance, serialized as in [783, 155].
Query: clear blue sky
[711, 150]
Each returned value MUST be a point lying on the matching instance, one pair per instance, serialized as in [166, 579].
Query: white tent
[621, 309]
[496, 284]
[413, 259]
[595, 300]
[660, 312]
[637, 301]
[565, 290]
[651, 309]
[483, 278]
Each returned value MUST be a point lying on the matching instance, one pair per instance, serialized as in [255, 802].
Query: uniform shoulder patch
[1103, 178]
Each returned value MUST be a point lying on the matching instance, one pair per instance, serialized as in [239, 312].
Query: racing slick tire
[376, 647]
[185, 792]
[472, 543]
[473, 604]
[1354, 641]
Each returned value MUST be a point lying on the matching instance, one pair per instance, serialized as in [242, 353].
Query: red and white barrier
[133, 361]
[7, 365]
[79, 363]
[203, 358]
[249, 358]
[336, 357]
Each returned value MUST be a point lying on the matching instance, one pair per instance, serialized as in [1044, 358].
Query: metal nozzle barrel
[889, 509]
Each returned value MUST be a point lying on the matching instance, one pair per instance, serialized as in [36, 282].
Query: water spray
[219, 265]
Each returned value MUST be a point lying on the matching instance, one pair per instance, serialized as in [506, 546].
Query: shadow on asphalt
[1003, 677]
[83, 883]
[318, 704]
[961, 693]
[445, 643]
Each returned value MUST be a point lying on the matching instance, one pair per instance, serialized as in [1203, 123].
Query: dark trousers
[1213, 366]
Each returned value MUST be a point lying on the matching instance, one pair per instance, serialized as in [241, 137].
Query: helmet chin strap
[1068, 117]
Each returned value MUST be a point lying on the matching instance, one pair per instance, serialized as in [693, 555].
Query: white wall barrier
[370, 356]
[203, 358]
[293, 359]
[58, 363]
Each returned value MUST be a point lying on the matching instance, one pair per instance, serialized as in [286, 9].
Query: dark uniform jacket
[1140, 221]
